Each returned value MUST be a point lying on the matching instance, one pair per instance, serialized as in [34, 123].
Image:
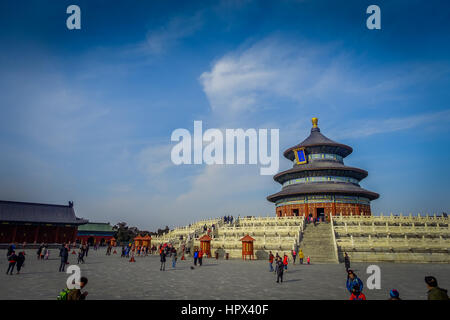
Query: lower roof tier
[323, 188]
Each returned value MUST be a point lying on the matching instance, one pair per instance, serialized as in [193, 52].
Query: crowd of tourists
[167, 250]
[228, 219]
[132, 250]
[277, 264]
[355, 288]
[314, 220]
[354, 284]
[43, 252]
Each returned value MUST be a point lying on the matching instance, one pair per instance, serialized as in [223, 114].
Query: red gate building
[247, 247]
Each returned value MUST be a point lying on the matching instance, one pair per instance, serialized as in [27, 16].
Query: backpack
[63, 294]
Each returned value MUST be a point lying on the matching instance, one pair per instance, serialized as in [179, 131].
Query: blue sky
[87, 115]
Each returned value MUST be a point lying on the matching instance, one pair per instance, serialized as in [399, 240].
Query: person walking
[81, 252]
[162, 256]
[294, 255]
[195, 257]
[353, 280]
[20, 261]
[43, 252]
[434, 292]
[346, 262]
[174, 258]
[39, 251]
[271, 257]
[200, 257]
[301, 256]
[12, 259]
[285, 261]
[280, 270]
[64, 253]
[86, 251]
[11, 248]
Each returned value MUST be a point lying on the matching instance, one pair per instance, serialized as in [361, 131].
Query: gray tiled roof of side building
[13, 211]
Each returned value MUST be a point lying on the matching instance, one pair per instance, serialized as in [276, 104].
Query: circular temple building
[319, 184]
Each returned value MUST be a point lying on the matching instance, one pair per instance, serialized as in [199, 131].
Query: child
[285, 262]
[357, 294]
[308, 260]
[47, 254]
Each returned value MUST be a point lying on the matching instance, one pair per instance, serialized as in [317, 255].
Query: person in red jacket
[200, 257]
[357, 294]
[271, 257]
[285, 262]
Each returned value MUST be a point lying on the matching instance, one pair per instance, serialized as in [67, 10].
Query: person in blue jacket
[352, 280]
[195, 257]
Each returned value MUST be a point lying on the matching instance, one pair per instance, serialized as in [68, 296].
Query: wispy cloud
[258, 76]
[177, 28]
[368, 127]
[155, 159]
[48, 110]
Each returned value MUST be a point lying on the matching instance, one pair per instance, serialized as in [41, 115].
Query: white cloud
[247, 78]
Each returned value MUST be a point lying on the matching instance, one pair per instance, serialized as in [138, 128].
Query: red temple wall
[330, 208]
[36, 234]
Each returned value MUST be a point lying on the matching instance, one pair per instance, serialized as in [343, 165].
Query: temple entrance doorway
[90, 241]
[295, 212]
[320, 214]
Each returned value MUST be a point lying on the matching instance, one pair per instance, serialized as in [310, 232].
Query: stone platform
[112, 277]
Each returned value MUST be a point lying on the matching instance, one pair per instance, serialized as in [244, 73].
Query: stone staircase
[317, 243]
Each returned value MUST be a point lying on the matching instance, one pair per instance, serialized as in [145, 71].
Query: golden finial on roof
[314, 122]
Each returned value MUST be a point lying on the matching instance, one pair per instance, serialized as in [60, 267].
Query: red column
[36, 234]
[14, 234]
[74, 236]
[56, 234]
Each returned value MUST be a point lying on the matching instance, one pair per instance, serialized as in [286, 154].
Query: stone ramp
[317, 243]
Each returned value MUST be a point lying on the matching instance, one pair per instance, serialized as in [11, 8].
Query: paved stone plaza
[112, 277]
